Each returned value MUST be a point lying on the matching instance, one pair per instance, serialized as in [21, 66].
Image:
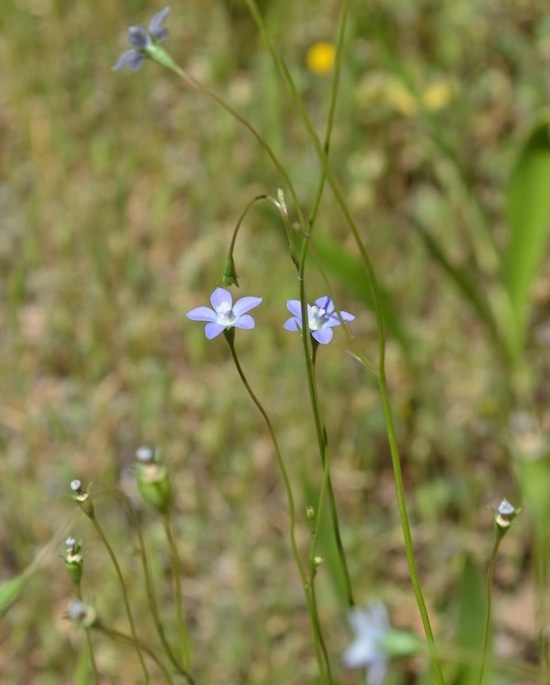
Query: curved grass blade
[528, 217]
[462, 280]
[350, 274]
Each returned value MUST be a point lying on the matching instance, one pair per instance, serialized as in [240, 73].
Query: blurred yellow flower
[320, 58]
[439, 94]
[400, 98]
[392, 91]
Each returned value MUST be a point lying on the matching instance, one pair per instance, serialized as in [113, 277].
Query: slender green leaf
[10, 591]
[470, 622]
[528, 216]
[352, 275]
[460, 278]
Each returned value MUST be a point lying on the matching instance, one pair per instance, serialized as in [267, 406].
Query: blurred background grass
[119, 194]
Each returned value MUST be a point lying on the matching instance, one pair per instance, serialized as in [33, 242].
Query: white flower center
[317, 318]
[225, 314]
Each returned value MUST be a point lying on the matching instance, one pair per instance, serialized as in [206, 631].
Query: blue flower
[225, 314]
[142, 40]
[322, 317]
[370, 627]
[376, 642]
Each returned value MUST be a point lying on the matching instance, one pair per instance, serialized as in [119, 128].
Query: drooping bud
[74, 560]
[229, 274]
[153, 479]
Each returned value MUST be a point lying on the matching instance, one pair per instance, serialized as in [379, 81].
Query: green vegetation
[120, 194]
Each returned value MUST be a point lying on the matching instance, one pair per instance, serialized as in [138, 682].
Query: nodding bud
[82, 498]
[74, 560]
[152, 479]
[229, 274]
[81, 614]
[506, 513]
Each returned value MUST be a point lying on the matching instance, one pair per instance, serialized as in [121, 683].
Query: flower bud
[74, 560]
[152, 479]
[82, 498]
[506, 513]
[229, 274]
[83, 615]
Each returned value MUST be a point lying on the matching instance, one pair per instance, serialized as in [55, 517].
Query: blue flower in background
[224, 314]
[321, 317]
[370, 627]
[141, 40]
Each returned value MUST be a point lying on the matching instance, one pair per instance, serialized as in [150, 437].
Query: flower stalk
[504, 516]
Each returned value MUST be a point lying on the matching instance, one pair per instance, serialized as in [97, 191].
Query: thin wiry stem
[129, 640]
[326, 485]
[89, 642]
[165, 59]
[320, 647]
[488, 610]
[149, 585]
[378, 311]
[118, 572]
[176, 573]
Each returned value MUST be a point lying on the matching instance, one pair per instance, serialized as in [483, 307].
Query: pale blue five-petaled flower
[224, 314]
[142, 39]
[321, 318]
[370, 627]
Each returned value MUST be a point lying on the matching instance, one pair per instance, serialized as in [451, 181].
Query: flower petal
[292, 324]
[377, 672]
[378, 615]
[202, 314]
[245, 321]
[131, 58]
[347, 317]
[245, 304]
[220, 297]
[360, 653]
[138, 37]
[155, 25]
[336, 318]
[211, 330]
[161, 36]
[323, 336]
[325, 303]
[295, 307]
[370, 623]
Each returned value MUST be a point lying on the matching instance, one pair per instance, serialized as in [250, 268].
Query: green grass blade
[528, 216]
[11, 590]
[470, 621]
[462, 280]
[350, 274]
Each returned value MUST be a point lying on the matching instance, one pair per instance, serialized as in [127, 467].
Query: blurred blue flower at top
[142, 40]
[224, 314]
[321, 317]
[370, 627]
